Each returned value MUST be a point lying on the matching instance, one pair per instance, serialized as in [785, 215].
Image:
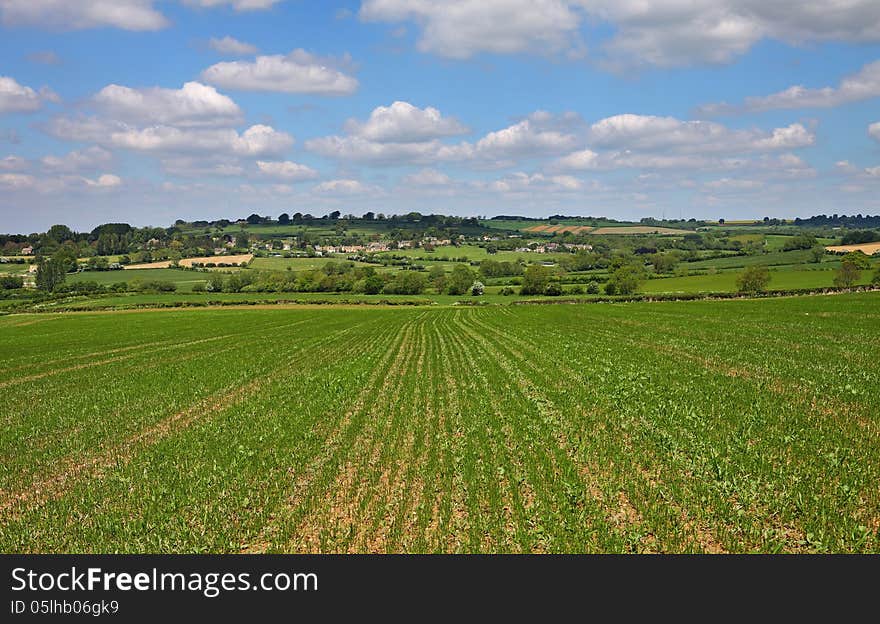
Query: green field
[185, 280]
[725, 281]
[736, 426]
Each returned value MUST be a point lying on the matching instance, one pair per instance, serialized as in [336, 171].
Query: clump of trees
[460, 280]
[11, 282]
[625, 280]
[753, 279]
[51, 273]
[332, 277]
[850, 271]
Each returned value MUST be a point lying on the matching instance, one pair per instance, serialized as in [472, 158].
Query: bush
[847, 275]
[753, 279]
[507, 290]
[11, 282]
[460, 281]
[154, 286]
[373, 285]
[406, 283]
[593, 288]
[625, 280]
[553, 289]
[535, 280]
[477, 289]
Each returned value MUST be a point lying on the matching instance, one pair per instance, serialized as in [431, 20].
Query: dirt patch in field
[241, 259]
[149, 265]
[190, 262]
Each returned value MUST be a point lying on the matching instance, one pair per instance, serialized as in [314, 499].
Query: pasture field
[185, 280]
[725, 281]
[736, 426]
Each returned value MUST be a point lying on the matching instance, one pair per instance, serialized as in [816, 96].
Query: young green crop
[709, 426]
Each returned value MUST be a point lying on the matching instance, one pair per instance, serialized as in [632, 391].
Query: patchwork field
[868, 249]
[638, 229]
[707, 426]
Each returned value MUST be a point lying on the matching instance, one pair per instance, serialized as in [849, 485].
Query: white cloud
[286, 170]
[427, 177]
[89, 159]
[107, 180]
[519, 182]
[194, 104]
[662, 32]
[525, 138]
[535, 136]
[298, 72]
[345, 187]
[650, 133]
[16, 181]
[734, 184]
[13, 163]
[374, 152]
[874, 172]
[861, 86]
[256, 141]
[79, 14]
[404, 123]
[238, 5]
[231, 46]
[201, 166]
[582, 160]
[874, 130]
[16, 98]
[466, 27]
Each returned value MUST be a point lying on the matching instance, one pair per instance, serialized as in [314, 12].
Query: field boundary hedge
[797, 292]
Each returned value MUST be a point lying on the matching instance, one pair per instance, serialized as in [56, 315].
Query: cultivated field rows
[677, 427]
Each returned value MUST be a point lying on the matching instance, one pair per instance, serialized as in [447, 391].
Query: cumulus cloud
[582, 160]
[662, 33]
[194, 104]
[390, 143]
[231, 46]
[16, 181]
[201, 166]
[521, 183]
[874, 130]
[427, 177]
[404, 123]
[297, 72]
[286, 170]
[17, 98]
[345, 187]
[107, 180]
[238, 5]
[89, 159]
[651, 133]
[464, 28]
[257, 141]
[138, 15]
[13, 163]
[863, 85]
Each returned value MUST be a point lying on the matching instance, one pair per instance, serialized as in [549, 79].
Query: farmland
[706, 426]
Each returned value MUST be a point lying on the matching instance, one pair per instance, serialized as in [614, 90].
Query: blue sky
[146, 111]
